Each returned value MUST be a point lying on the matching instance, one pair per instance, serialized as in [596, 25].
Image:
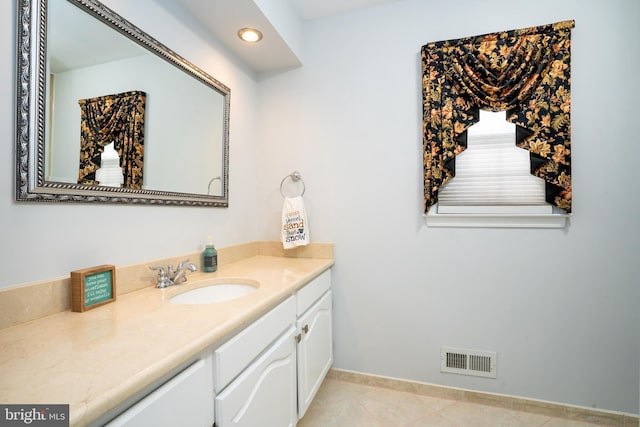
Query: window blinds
[492, 174]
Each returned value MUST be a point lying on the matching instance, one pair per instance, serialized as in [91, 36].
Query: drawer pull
[305, 329]
[298, 338]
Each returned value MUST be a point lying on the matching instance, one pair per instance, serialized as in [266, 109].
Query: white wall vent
[468, 362]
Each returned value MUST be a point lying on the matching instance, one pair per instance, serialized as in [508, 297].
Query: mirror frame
[31, 101]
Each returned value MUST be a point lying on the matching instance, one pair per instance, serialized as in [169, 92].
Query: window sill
[496, 220]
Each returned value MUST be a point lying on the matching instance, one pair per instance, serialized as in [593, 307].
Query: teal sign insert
[97, 288]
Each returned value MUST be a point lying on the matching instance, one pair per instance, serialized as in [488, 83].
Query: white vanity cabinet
[314, 338]
[184, 400]
[268, 374]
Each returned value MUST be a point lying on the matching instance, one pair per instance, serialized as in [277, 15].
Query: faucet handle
[181, 265]
[162, 280]
[161, 270]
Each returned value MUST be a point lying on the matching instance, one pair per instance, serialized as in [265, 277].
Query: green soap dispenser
[209, 257]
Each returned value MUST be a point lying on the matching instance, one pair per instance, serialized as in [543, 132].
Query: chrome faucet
[170, 277]
[180, 275]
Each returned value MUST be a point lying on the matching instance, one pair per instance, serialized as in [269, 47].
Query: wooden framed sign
[93, 287]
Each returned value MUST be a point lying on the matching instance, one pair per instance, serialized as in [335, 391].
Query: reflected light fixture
[250, 35]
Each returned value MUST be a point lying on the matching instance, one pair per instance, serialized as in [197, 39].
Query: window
[474, 170]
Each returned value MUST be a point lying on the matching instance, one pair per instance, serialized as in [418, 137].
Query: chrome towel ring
[294, 177]
[209, 186]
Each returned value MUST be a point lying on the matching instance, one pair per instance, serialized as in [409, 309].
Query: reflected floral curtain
[118, 118]
[524, 72]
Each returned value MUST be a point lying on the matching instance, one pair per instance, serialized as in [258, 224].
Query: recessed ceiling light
[250, 35]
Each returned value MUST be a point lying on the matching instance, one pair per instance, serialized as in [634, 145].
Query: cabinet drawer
[232, 357]
[312, 291]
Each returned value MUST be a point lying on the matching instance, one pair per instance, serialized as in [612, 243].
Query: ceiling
[278, 50]
[313, 9]
[223, 19]
[76, 40]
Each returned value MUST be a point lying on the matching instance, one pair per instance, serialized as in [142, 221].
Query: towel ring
[209, 186]
[295, 177]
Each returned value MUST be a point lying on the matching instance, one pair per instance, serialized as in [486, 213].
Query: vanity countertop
[96, 360]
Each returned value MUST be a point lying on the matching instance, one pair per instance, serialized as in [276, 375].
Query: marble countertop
[96, 360]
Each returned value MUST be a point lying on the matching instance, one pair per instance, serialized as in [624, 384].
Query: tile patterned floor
[345, 404]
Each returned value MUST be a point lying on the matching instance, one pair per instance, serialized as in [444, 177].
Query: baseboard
[552, 409]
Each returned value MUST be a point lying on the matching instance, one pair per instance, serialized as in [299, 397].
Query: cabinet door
[265, 393]
[185, 400]
[315, 350]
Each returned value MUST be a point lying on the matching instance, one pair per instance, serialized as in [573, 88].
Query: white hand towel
[295, 229]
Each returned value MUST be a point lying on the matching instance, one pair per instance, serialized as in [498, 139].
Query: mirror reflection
[150, 125]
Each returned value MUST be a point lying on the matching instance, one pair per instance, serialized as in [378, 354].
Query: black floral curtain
[524, 72]
[118, 118]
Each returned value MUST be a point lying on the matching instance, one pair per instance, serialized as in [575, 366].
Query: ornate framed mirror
[171, 145]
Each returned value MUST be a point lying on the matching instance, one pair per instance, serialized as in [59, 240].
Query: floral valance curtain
[524, 72]
[115, 118]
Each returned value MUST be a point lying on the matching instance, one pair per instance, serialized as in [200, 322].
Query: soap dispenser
[209, 257]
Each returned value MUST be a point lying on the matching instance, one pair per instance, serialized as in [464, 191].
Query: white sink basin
[216, 292]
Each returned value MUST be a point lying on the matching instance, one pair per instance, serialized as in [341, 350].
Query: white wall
[560, 307]
[42, 241]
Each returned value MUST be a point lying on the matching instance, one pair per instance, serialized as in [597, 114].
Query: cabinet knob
[298, 338]
[305, 329]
